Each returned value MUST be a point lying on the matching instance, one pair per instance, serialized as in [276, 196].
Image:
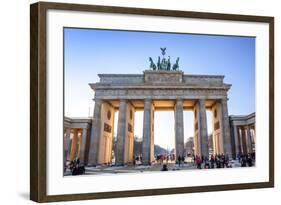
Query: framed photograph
[135, 102]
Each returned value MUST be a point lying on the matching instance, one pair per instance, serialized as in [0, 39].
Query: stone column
[79, 143]
[236, 139]
[240, 139]
[121, 133]
[83, 141]
[179, 128]
[202, 128]
[197, 149]
[244, 141]
[254, 134]
[66, 142]
[129, 140]
[226, 128]
[95, 133]
[147, 131]
[73, 150]
[249, 140]
[220, 128]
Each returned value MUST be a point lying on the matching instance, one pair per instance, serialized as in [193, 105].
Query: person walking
[182, 159]
[198, 162]
[179, 160]
[212, 161]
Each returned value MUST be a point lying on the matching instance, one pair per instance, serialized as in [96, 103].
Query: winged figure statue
[163, 50]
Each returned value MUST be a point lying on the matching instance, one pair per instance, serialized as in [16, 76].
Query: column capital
[179, 102]
[98, 101]
[68, 130]
[123, 100]
[201, 102]
[147, 100]
[224, 100]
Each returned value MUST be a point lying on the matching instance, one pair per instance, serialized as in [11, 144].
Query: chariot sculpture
[164, 64]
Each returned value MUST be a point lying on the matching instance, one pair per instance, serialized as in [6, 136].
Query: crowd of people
[75, 167]
[246, 159]
[163, 158]
[223, 161]
[214, 161]
[202, 162]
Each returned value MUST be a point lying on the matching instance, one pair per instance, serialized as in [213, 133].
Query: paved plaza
[101, 170]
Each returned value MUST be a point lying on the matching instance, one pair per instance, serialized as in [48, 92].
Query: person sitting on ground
[243, 161]
[164, 168]
[250, 161]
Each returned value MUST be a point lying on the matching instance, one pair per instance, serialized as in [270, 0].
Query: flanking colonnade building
[155, 90]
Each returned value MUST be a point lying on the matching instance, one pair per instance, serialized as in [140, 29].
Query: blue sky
[90, 51]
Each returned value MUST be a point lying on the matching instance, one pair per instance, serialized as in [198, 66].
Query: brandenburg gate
[162, 87]
[151, 91]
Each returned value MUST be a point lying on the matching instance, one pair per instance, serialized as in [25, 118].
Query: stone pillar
[95, 133]
[129, 140]
[217, 128]
[236, 139]
[226, 128]
[152, 133]
[215, 143]
[197, 149]
[121, 133]
[79, 131]
[254, 134]
[66, 141]
[243, 140]
[82, 143]
[253, 138]
[73, 150]
[147, 133]
[179, 128]
[240, 139]
[106, 133]
[202, 128]
[249, 140]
